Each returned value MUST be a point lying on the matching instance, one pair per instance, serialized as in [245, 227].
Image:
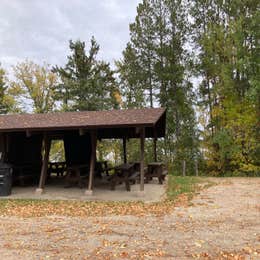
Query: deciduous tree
[34, 87]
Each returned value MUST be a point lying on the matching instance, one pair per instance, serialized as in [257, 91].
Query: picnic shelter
[25, 139]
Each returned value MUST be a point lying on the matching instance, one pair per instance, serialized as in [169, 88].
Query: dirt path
[223, 221]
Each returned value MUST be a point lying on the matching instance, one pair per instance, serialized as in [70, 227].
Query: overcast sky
[40, 29]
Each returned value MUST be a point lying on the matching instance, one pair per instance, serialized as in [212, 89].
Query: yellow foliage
[117, 97]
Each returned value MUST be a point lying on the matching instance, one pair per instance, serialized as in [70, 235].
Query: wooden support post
[28, 133]
[124, 149]
[2, 147]
[142, 138]
[183, 168]
[81, 132]
[7, 146]
[155, 149]
[93, 136]
[155, 145]
[47, 146]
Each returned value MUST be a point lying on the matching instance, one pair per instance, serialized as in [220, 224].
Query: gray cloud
[40, 30]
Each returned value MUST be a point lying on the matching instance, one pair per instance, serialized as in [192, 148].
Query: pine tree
[142, 34]
[130, 78]
[157, 66]
[87, 83]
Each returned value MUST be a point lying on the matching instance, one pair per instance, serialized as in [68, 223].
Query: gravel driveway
[222, 222]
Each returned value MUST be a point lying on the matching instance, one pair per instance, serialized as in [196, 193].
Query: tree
[130, 78]
[86, 83]
[227, 37]
[7, 102]
[154, 62]
[3, 107]
[142, 36]
[34, 86]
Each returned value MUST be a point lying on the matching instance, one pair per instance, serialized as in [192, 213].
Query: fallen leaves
[225, 255]
[131, 230]
[41, 208]
[50, 229]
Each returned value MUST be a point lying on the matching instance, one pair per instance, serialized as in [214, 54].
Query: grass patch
[178, 185]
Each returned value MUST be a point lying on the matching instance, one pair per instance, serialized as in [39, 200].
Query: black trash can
[5, 179]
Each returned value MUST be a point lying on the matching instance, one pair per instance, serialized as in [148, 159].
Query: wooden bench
[124, 173]
[135, 177]
[74, 176]
[163, 175]
[26, 173]
[102, 169]
[156, 169]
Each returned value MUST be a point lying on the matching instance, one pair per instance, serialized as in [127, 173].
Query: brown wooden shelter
[23, 137]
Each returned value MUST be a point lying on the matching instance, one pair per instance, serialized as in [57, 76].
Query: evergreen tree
[130, 78]
[157, 68]
[86, 83]
[142, 34]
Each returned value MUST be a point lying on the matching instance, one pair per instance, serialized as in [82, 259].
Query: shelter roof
[112, 119]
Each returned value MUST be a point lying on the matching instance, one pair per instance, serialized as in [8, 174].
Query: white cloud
[40, 30]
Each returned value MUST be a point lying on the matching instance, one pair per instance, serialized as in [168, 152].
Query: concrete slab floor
[153, 192]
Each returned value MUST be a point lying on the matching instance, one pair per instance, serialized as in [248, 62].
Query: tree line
[198, 59]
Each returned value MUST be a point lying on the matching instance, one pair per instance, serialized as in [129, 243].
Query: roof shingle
[85, 119]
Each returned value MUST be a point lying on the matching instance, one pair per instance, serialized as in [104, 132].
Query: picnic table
[155, 169]
[58, 168]
[74, 175]
[124, 173]
[102, 167]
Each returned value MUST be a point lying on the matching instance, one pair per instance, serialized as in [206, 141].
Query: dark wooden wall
[24, 150]
[77, 148]
[24, 154]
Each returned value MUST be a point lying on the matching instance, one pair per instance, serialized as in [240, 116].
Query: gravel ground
[222, 222]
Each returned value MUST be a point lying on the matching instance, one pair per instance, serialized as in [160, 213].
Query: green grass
[178, 185]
